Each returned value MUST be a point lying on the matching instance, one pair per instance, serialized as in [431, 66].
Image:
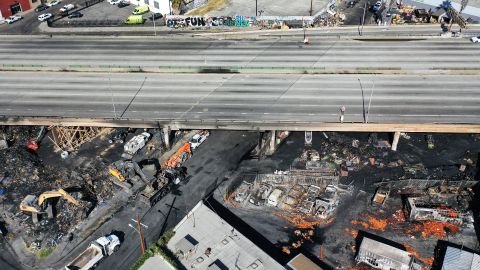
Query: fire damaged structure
[382, 256]
[440, 204]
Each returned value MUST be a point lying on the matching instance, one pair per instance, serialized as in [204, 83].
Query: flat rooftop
[203, 240]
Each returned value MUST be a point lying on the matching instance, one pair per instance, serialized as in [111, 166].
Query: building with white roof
[203, 240]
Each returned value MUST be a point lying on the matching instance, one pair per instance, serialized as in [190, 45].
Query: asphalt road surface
[242, 97]
[270, 54]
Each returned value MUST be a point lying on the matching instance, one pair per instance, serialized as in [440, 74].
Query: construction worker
[342, 114]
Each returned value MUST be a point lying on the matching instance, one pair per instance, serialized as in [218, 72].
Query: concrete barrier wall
[177, 21]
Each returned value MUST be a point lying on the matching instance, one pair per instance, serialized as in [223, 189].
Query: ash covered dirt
[83, 175]
[364, 163]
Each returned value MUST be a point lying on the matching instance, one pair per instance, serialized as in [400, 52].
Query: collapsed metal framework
[71, 138]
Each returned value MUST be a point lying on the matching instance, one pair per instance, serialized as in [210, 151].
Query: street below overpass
[234, 98]
[280, 55]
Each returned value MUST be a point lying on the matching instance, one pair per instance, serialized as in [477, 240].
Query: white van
[274, 197]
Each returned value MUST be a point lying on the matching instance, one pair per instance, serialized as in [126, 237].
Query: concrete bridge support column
[272, 142]
[166, 136]
[396, 138]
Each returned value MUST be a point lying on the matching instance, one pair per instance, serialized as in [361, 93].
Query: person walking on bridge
[342, 114]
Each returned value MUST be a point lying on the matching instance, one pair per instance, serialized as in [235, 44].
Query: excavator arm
[57, 193]
[173, 161]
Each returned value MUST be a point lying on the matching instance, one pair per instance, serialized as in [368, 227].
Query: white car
[198, 139]
[475, 39]
[13, 19]
[114, 2]
[54, 3]
[44, 17]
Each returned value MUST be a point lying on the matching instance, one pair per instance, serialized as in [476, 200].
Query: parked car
[351, 4]
[141, 10]
[114, 2]
[41, 7]
[134, 19]
[377, 6]
[156, 16]
[475, 39]
[45, 17]
[54, 3]
[13, 19]
[123, 3]
[75, 14]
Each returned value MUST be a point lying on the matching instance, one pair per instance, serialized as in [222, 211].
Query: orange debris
[377, 224]
[416, 254]
[438, 229]
[352, 232]
[298, 220]
[372, 223]
[230, 201]
[361, 223]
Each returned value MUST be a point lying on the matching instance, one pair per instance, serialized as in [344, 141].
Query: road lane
[242, 97]
[409, 56]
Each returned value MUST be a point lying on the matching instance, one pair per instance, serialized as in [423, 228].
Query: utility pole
[256, 8]
[363, 101]
[360, 31]
[311, 7]
[142, 243]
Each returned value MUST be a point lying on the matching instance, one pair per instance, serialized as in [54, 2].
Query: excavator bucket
[117, 174]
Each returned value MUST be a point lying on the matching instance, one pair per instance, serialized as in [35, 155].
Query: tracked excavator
[39, 206]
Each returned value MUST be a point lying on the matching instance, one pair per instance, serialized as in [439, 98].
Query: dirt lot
[334, 239]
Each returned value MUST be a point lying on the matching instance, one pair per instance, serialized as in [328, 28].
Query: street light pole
[311, 7]
[256, 8]
[363, 101]
[360, 31]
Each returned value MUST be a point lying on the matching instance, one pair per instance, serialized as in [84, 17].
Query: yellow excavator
[36, 206]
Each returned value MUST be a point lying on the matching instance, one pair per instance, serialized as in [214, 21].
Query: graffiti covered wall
[235, 21]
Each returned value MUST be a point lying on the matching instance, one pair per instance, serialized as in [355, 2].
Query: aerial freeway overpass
[277, 84]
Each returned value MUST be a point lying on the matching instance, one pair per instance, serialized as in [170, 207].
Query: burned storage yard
[352, 202]
[59, 184]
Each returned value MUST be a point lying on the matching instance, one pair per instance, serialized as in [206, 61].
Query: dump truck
[98, 250]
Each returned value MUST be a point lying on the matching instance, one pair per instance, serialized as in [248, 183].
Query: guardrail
[232, 124]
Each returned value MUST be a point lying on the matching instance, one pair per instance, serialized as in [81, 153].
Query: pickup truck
[98, 250]
[67, 8]
[198, 139]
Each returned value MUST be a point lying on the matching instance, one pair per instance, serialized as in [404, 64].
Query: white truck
[67, 8]
[98, 249]
[198, 139]
[135, 144]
